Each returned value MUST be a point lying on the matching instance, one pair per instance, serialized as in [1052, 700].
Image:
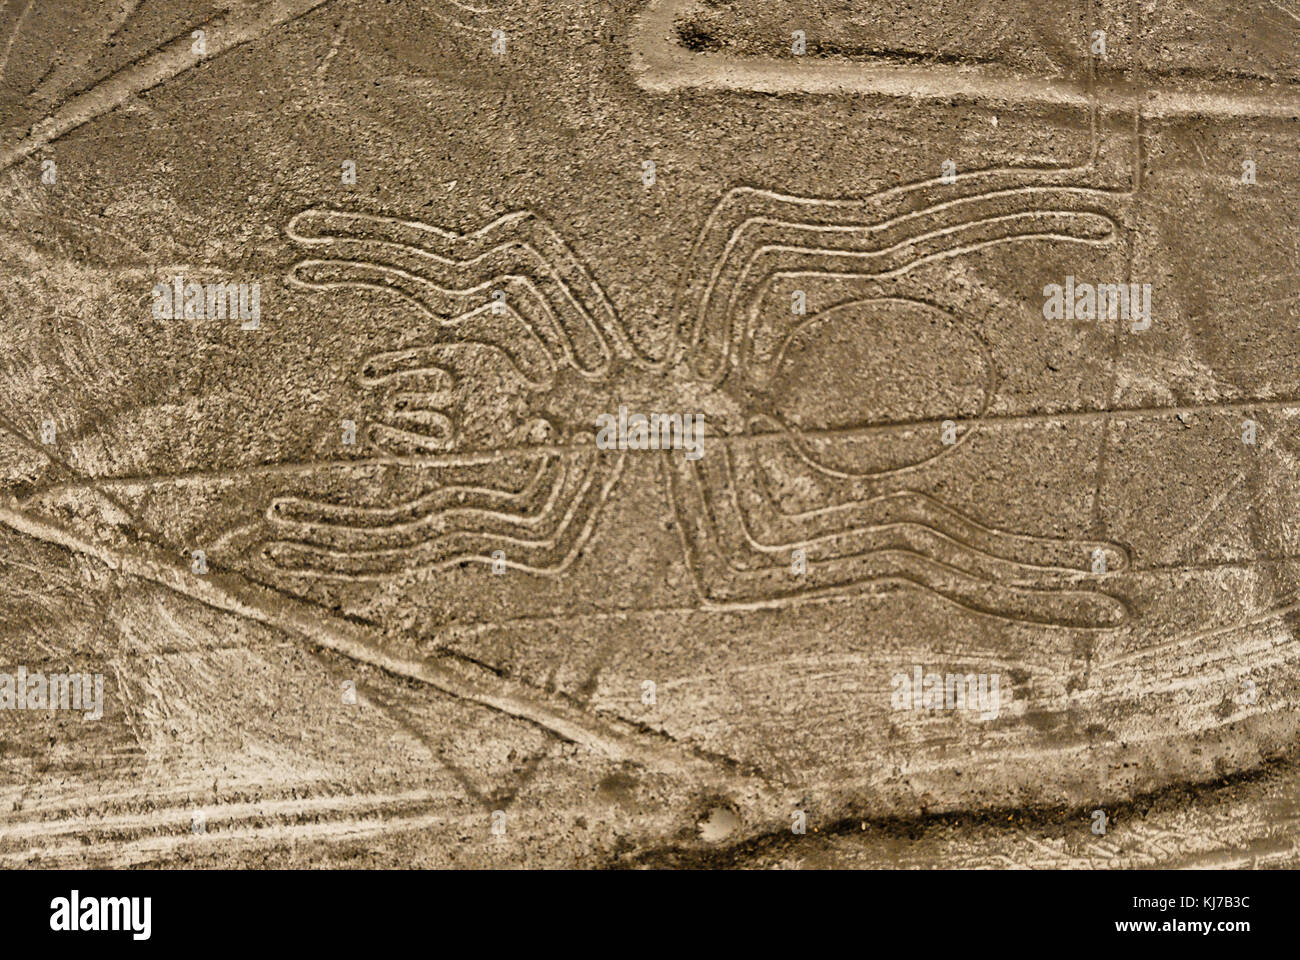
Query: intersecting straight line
[155, 67]
[733, 441]
[18, 27]
[1112, 391]
[662, 65]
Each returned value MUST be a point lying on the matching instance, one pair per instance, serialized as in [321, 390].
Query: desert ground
[332, 331]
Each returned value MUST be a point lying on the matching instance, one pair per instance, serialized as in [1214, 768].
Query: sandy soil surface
[324, 319]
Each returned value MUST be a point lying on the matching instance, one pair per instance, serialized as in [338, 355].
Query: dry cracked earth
[332, 535]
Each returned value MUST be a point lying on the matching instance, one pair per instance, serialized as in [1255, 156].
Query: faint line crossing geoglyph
[512, 290]
[754, 237]
[516, 290]
[541, 528]
[437, 487]
[736, 537]
[738, 542]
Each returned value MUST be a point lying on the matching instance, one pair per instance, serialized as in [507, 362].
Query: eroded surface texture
[972, 542]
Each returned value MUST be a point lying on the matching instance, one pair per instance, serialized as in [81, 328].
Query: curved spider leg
[519, 254]
[752, 233]
[538, 538]
[850, 518]
[456, 317]
[411, 523]
[728, 569]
